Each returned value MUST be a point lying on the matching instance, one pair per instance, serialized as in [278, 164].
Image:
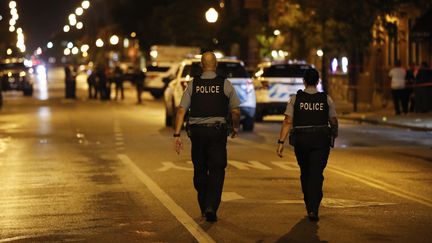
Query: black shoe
[313, 216]
[210, 215]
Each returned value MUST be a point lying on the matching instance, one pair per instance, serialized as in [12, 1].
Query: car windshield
[18, 65]
[285, 70]
[157, 69]
[224, 69]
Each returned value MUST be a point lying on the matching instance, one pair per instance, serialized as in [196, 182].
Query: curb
[390, 124]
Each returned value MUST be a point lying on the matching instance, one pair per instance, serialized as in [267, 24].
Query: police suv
[275, 83]
[232, 69]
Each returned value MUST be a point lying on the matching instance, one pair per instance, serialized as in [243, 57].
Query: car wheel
[157, 94]
[28, 91]
[259, 117]
[248, 124]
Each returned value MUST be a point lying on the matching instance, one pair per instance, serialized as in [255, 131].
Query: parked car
[233, 70]
[15, 76]
[275, 83]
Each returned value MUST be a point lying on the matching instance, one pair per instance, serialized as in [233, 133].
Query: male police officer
[310, 113]
[210, 98]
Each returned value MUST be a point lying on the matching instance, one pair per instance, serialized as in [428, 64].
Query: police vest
[208, 98]
[310, 109]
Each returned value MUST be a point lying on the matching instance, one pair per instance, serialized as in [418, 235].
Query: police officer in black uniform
[310, 121]
[209, 99]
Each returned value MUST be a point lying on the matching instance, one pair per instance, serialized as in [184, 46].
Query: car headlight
[23, 74]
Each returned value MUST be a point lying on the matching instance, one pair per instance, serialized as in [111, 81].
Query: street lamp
[11, 28]
[320, 53]
[114, 40]
[79, 11]
[9, 51]
[79, 25]
[99, 42]
[75, 50]
[66, 28]
[50, 45]
[85, 4]
[12, 4]
[276, 32]
[85, 48]
[67, 52]
[211, 15]
[70, 45]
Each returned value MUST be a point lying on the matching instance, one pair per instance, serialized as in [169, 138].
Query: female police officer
[307, 119]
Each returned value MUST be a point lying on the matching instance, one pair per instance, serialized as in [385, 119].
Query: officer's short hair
[311, 76]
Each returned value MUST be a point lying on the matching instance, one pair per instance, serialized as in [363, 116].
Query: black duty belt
[311, 129]
[210, 125]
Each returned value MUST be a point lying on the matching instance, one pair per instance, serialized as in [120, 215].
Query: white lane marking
[231, 196]
[360, 178]
[339, 203]
[247, 165]
[197, 232]
[168, 165]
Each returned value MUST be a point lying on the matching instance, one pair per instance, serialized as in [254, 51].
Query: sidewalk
[386, 117]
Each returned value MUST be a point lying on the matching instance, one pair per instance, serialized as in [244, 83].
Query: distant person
[92, 85]
[68, 82]
[400, 95]
[118, 80]
[102, 83]
[423, 92]
[74, 74]
[410, 81]
[138, 79]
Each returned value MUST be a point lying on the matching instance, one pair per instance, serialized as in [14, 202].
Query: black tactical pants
[312, 151]
[209, 157]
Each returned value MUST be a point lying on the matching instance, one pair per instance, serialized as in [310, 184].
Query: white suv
[233, 70]
[275, 83]
[158, 77]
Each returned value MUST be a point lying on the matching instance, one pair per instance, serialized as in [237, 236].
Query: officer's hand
[234, 133]
[178, 145]
[279, 150]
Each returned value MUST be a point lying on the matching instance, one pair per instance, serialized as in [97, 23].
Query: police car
[14, 75]
[275, 83]
[232, 69]
[157, 78]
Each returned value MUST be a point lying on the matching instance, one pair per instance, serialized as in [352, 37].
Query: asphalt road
[95, 171]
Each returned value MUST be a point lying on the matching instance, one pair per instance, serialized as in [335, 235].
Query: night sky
[41, 18]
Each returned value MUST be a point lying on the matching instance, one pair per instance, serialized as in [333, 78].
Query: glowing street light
[79, 11]
[66, 28]
[320, 53]
[75, 50]
[72, 22]
[99, 42]
[79, 25]
[11, 28]
[85, 48]
[67, 52]
[12, 22]
[39, 51]
[276, 32]
[72, 16]
[12, 4]
[212, 15]
[85, 4]
[9, 51]
[50, 45]
[70, 45]
[114, 40]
